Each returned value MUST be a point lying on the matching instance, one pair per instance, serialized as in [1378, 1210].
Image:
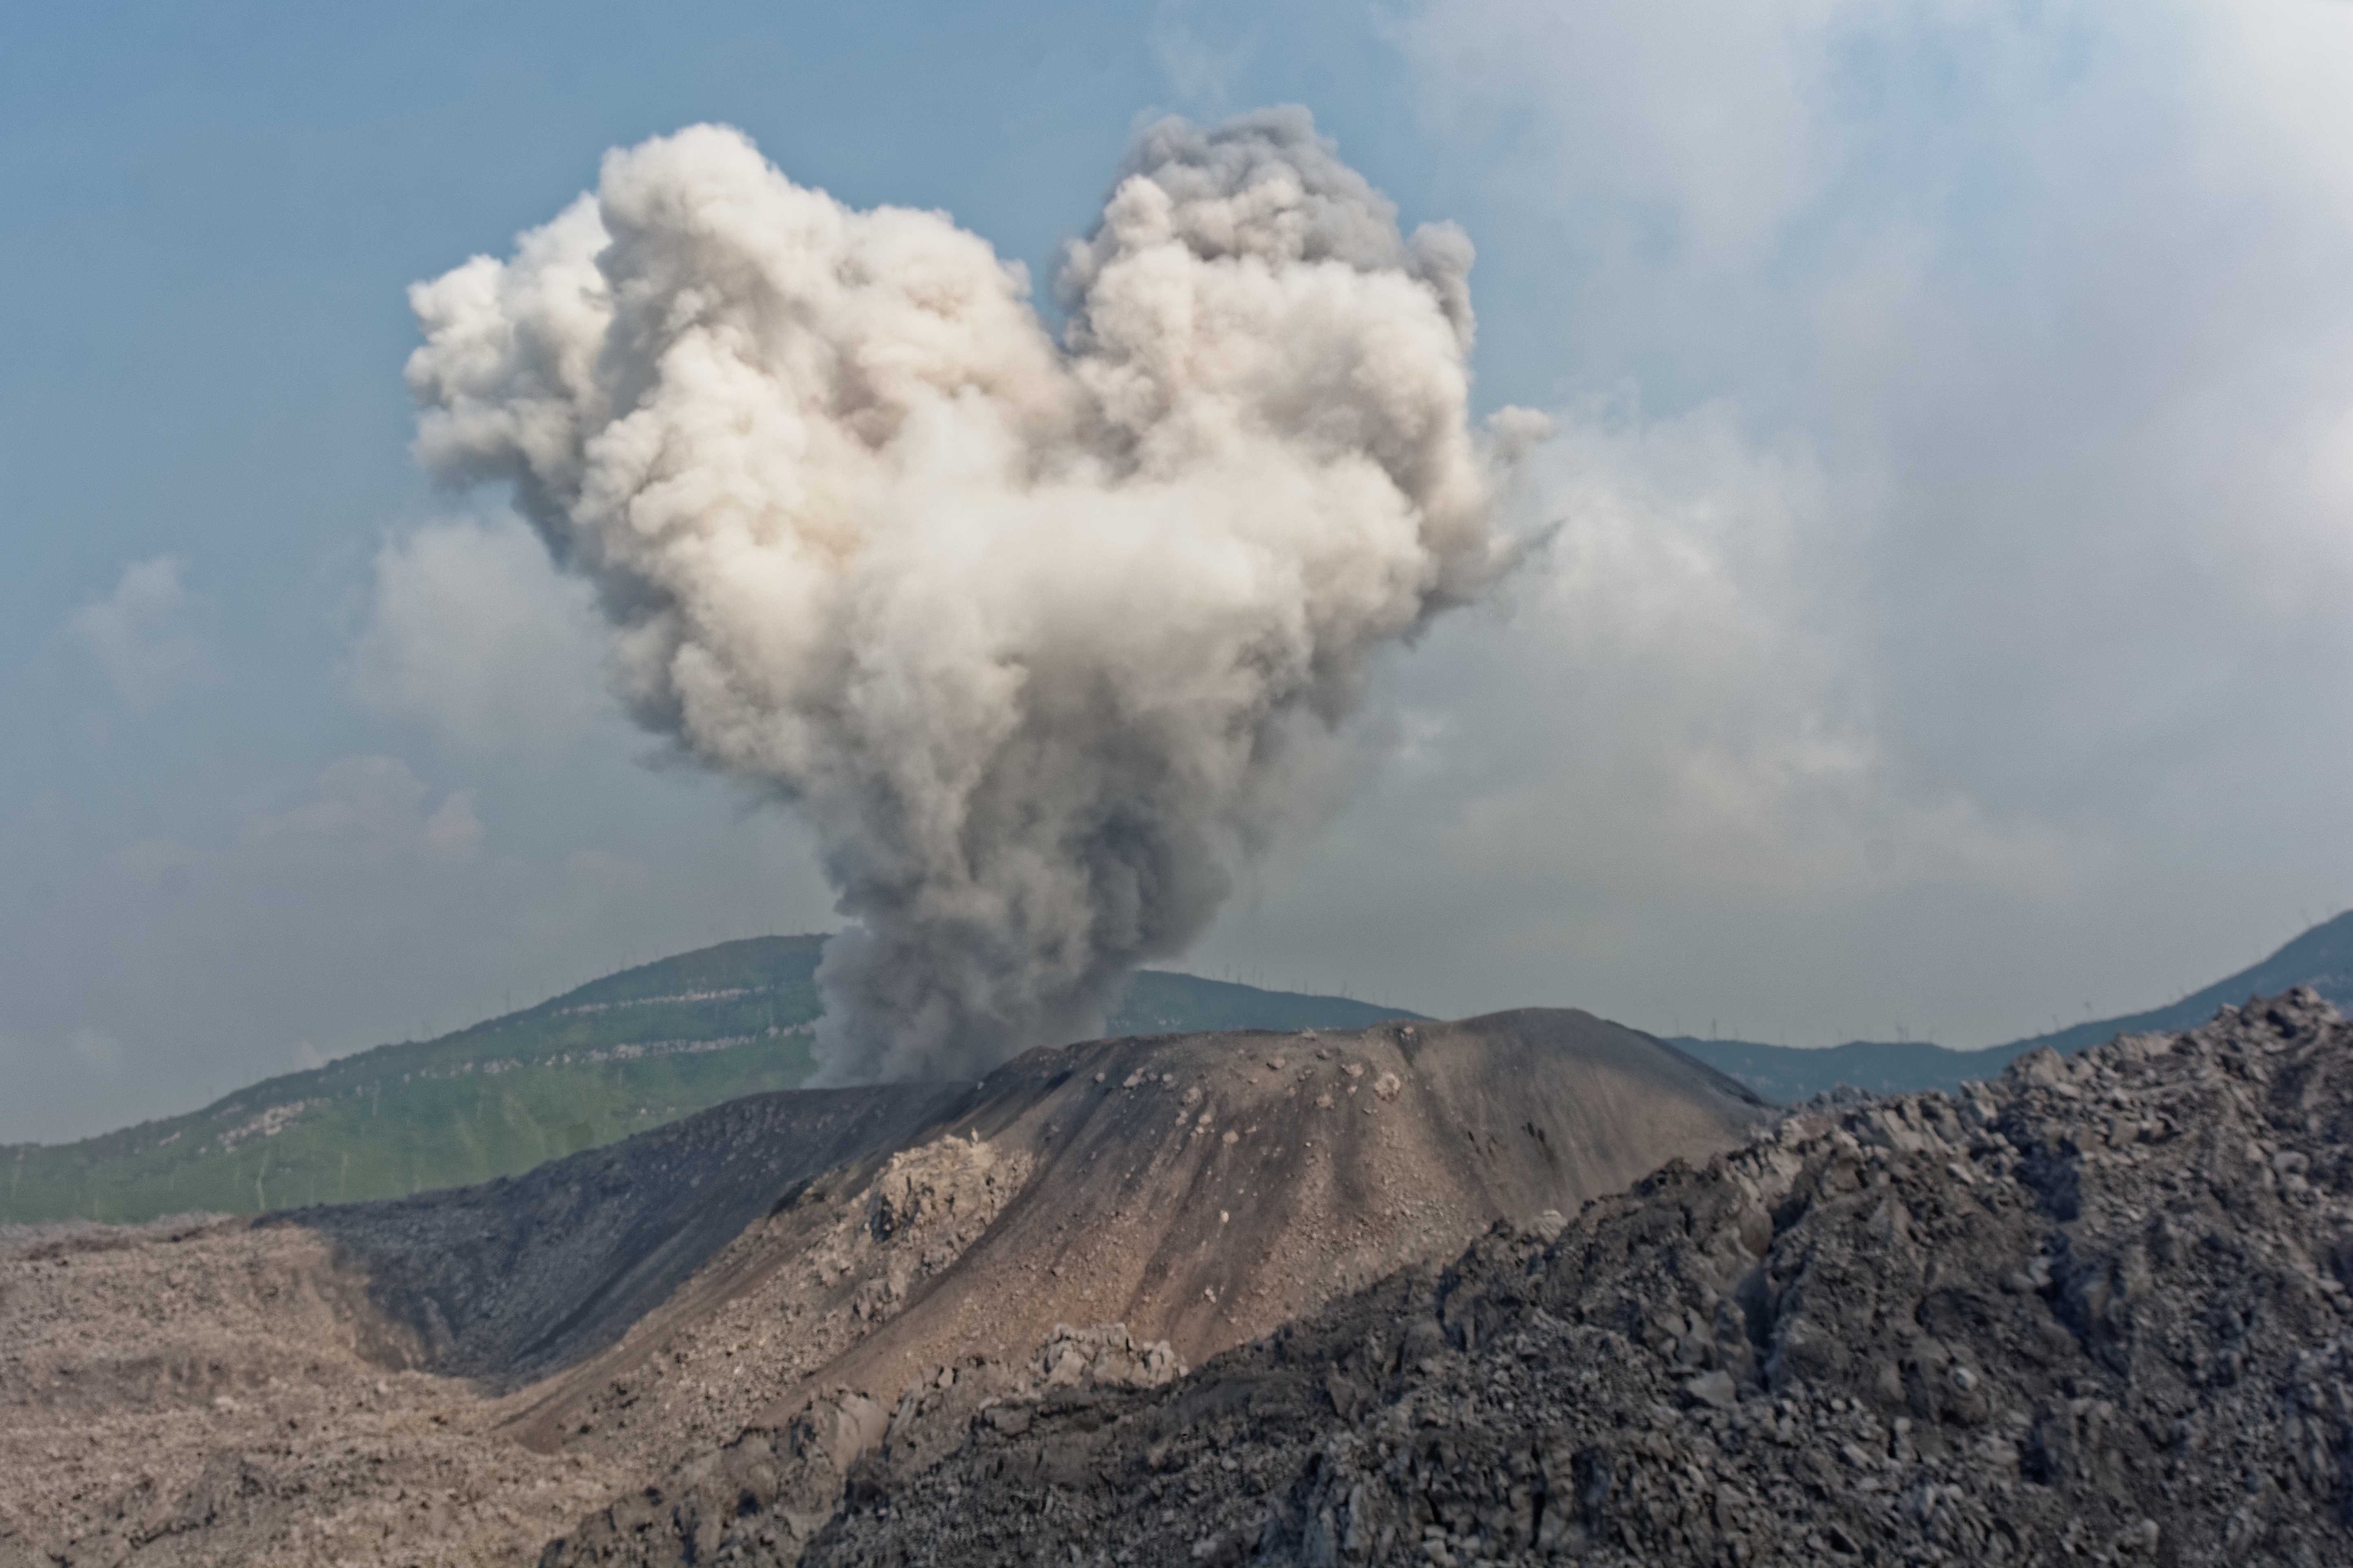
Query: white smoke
[1034, 633]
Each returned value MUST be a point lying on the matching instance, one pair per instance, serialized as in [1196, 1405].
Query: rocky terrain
[293, 1390]
[459, 1377]
[1193, 1300]
[219, 1392]
[2095, 1312]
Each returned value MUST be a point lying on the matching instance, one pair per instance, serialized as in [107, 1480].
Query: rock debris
[2096, 1311]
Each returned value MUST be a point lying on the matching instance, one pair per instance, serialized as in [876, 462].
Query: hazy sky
[1948, 629]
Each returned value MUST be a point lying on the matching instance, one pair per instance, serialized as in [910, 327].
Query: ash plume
[1035, 633]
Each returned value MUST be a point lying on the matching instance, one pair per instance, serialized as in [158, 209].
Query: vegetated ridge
[2321, 958]
[616, 1056]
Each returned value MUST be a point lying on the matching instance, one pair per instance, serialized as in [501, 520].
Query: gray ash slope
[2096, 1310]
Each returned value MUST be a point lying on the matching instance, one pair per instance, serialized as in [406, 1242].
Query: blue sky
[1956, 444]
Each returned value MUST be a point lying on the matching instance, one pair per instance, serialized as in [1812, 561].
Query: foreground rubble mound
[2094, 1311]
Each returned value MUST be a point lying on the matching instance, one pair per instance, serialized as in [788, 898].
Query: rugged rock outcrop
[2096, 1310]
[724, 1325]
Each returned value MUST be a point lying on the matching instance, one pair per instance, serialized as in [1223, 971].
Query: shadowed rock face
[526, 1274]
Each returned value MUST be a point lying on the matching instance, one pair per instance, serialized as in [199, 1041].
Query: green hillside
[616, 1056]
[2321, 957]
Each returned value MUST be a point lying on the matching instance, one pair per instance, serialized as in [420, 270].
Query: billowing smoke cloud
[1035, 633]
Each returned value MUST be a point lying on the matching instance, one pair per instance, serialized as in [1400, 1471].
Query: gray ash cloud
[1040, 634]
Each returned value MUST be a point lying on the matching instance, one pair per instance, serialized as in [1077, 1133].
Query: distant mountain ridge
[621, 1055]
[2322, 957]
[640, 1048]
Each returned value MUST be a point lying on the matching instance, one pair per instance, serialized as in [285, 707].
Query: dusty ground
[462, 1377]
[210, 1393]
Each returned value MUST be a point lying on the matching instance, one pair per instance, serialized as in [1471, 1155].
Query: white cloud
[368, 808]
[453, 830]
[1682, 700]
[142, 635]
[96, 1050]
[1201, 74]
[1948, 628]
[2052, 292]
[1671, 127]
[471, 630]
